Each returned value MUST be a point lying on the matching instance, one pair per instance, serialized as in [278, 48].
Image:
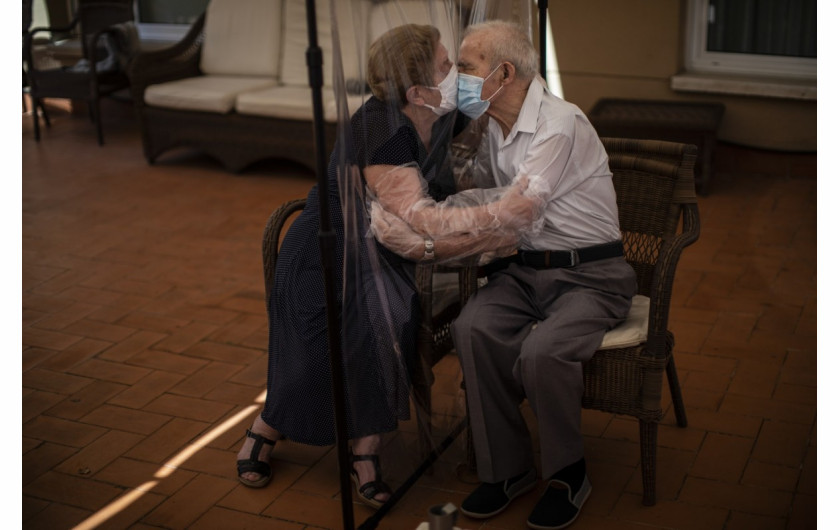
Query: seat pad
[633, 331]
[208, 93]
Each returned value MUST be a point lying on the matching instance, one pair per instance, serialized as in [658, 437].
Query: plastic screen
[402, 191]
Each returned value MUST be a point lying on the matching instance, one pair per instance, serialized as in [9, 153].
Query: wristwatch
[429, 253]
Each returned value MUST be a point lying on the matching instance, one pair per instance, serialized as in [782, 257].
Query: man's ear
[508, 72]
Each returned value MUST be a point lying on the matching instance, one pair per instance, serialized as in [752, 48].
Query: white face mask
[448, 93]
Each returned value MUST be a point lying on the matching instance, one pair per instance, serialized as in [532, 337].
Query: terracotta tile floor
[144, 358]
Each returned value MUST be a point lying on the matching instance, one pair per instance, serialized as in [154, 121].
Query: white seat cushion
[438, 13]
[242, 37]
[292, 102]
[208, 93]
[293, 71]
[632, 331]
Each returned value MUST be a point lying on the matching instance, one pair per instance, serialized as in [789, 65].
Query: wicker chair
[658, 216]
[93, 19]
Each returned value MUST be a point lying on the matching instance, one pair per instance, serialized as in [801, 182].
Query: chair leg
[676, 393]
[44, 113]
[422, 390]
[35, 104]
[97, 118]
[647, 439]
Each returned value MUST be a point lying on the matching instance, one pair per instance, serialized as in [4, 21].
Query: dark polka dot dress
[379, 306]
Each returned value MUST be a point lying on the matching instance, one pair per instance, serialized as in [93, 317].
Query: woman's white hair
[509, 43]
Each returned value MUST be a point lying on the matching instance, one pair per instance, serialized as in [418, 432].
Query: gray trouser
[525, 335]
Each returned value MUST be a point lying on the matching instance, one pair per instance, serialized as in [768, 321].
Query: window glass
[766, 27]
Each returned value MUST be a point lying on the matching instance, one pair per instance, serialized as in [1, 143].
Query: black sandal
[369, 490]
[253, 464]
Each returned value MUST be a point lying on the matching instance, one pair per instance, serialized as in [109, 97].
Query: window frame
[698, 60]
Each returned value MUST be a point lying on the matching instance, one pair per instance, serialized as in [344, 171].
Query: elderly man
[545, 309]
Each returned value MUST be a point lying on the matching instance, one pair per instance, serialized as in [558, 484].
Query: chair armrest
[666, 266]
[29, 37]
[178, 61]
[271, 241]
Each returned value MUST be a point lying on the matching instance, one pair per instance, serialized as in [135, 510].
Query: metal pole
[543, 7]
[327, 240]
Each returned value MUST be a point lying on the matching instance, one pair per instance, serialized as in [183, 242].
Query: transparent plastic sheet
[399, 174]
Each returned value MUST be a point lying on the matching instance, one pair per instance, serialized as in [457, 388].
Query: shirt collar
[530, 111]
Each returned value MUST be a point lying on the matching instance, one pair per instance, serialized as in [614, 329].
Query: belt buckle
[574, 258]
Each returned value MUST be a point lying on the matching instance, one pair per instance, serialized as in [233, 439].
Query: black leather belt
[552, 259]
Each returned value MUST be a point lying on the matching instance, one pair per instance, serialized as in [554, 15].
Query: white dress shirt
[554, 139]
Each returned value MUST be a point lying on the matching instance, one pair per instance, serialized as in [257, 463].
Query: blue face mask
[469, 94]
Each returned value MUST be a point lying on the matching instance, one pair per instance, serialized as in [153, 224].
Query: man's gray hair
[511, 44]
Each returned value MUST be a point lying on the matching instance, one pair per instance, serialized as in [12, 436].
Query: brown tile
[190, 503]
[187, 407]
[782, 443]
[804, 512]
[186, 337]
[131, 510]
[808, 478]
[33, 357]
[65, 316]
[56, 515]
[125, 419]
[153, 322]
[51, 340]
[167, 440]
[223, 518]
[30, 507]
[75, 354]
[109, 371]
[205, 379]
[256, 500]
[748, 521]
[772, 409]
[61, 431]
[771, 476]
[750, 499]
[318, 511]
[137, 342]
[99, 330]
[146, 390]
[85, 400]
[253, 374]
[42, 459]
[233, 393]
[98, 454]
[722, 422]
[755, 378]
[722, 457]
[670, 514]
[166, 361]
[36, 402]
[129, 473]
[216, 351]
[68, 489]
[236, 331]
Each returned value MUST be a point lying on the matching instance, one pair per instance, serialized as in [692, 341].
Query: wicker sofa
[237, 88]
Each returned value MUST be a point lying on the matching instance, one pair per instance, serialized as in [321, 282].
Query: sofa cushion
[242, 37]
[438, 13]
[293, 70]
[208, 93]
[292, 102]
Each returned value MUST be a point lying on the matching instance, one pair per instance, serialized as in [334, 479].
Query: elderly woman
[398, 143]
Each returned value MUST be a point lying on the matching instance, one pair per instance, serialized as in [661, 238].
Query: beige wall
[631, 48]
